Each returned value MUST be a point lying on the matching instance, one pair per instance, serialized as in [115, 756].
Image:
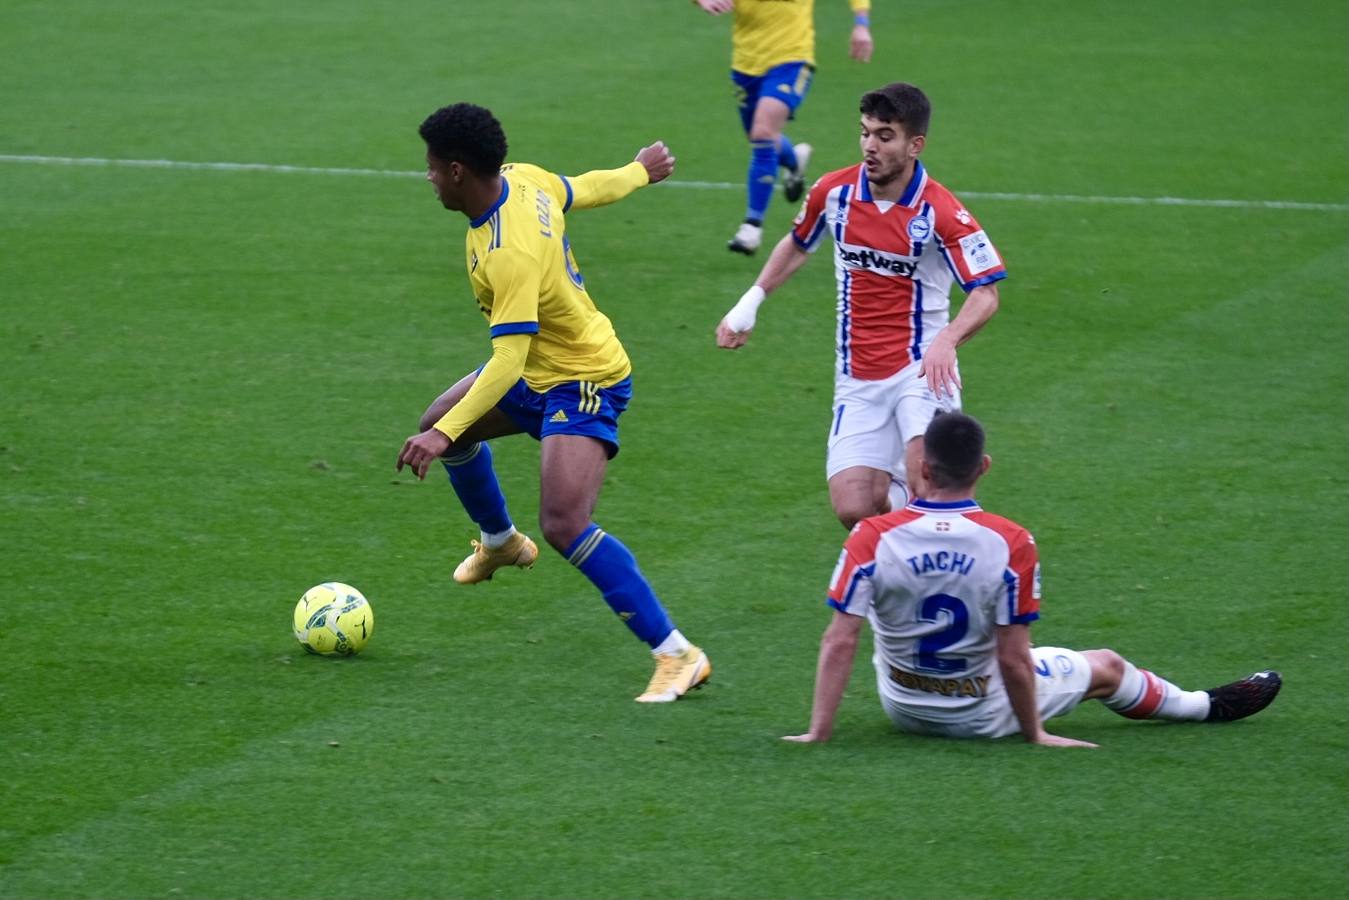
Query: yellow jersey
[544, 326]
[768, 33]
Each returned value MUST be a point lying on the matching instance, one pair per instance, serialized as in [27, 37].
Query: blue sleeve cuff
[570, 196]
[515, 328]
[979, 282]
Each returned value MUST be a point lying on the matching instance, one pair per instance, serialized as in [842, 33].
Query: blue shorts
[574, 407]
[788, 82]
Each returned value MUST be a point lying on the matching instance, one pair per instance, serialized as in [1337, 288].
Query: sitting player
[950, 591]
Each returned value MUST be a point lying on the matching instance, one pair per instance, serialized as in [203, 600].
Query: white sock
[493, 541]
[1143, 695]
[674, 645]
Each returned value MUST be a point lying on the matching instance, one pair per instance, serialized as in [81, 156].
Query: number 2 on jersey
[930, 645]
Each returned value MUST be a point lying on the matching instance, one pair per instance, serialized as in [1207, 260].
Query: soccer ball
[333, 619]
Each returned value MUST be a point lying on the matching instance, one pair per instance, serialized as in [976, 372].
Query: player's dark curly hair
[467, 134]
[953, 447]
[900, 103]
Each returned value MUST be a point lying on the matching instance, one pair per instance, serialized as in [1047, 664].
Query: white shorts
[874, 420]
[1062, 678]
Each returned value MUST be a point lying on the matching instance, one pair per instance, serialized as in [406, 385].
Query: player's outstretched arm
[838, 649]
[1018, 676]
[604, 186]
[734, 328]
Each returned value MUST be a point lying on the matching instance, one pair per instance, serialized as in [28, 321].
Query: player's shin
[612, 568]
[763, 174]
[475, 482]
[1143, 695]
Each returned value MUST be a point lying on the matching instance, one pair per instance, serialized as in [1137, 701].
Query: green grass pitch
[207, 375]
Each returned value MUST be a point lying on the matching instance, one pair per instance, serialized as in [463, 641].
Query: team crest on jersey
[920, 229]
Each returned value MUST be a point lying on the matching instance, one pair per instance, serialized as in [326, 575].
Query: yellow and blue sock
[475, 482]
[612, 568]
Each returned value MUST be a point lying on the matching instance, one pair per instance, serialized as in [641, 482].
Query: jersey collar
[912, 192]
[953, 506]
[505, 192]
[916, 184]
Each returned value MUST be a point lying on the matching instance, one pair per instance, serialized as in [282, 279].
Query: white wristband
[741, 316]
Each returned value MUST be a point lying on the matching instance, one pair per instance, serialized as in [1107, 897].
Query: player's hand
[731, 340]
[939, 367]
[810, 737]
[420, 450]
[716, 7]
[1045, 739]
[657, 160]
[860, 46]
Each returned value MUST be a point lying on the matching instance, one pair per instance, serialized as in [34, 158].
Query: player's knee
[851, 512]
[759, 132]
[561, 528]
[1107, 669]
[428, 418]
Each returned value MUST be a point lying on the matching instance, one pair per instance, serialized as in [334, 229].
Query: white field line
[694, 185]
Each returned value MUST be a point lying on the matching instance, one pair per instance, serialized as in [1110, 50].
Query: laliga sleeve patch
[979, 253]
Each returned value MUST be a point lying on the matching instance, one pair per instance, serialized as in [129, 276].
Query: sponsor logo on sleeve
[979, 253]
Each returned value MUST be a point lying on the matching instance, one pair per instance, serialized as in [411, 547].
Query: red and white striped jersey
[894, 264]
[934, 580]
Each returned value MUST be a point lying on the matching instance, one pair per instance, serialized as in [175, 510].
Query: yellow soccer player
[557, 372]
[772, 61]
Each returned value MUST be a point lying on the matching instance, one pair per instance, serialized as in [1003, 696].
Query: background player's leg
[572, 473]
[765, 139]
[913, 467]
[859, 492]
[765, 131]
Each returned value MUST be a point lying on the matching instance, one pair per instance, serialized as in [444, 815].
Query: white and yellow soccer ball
[333, 619]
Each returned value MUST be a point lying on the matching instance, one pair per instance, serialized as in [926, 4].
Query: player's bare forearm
[980, 305]
[838, 650]
[787, 257]
[735, 327]
[939, 362]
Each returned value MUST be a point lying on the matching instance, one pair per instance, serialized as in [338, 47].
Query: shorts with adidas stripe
[573, 407]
